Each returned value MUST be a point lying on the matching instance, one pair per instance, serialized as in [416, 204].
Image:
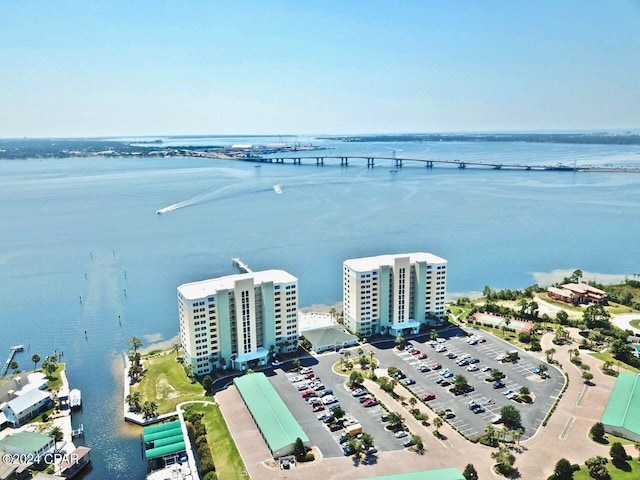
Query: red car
[428, 396]
[422, 356]
[415, 351]
[436, 366]
[309, 375]
[369, 403]
[318, 407]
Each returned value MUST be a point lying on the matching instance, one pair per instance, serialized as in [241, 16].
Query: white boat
[75, 398]
[277, 189]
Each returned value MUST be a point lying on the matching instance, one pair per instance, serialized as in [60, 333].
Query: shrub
[597, 431]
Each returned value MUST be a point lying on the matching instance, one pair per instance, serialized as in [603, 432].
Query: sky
[117, 68]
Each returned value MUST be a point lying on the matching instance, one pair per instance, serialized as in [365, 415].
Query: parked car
[512, 395]
[423, 368]
[463, 363]
[334, 427]
[447, 374]
[451, 355]
[364, 399]
[474, 360]
[445, 383]
[408, 442]
[384, 417]
[326, 392]
[400, 434]
[309, 375]
[306, 370]
[318, 407]
[436, 366]
[415, 351]
[369, 403]
[296, 378]
[408, 381]
[472, 368]
[359, 392]
[422, 356]
[486, 368]
[498, 384]
[448, 413]
[428, 396]
[371, 450]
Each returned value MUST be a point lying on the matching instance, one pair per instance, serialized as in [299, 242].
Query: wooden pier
[12, 352]
[241, 265]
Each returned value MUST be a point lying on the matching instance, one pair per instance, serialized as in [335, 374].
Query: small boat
[277, 189]
[75, 398]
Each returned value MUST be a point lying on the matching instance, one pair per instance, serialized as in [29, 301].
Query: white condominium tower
[238, 321]
[394, 294]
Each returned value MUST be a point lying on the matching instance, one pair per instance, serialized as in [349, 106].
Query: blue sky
[90, 68]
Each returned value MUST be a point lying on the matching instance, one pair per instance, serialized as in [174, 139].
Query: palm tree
[134, 343]
[149, 410]
[417, 441]
[35, 358]
[396, 420]
[360, 351]
[133, 399]
[549, 353]
[437, 422]
[517, 435]
[491, 434]
[507, 321]
[57, 434]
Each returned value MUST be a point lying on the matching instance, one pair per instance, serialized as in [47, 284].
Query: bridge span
[398, 162]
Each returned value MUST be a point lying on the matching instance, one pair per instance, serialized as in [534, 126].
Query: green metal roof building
[162, 440]
[329, 338]
[621, 416]
[441, 474]
[275, 422]
[30, 443]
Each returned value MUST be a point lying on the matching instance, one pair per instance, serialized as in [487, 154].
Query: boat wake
[216, 193]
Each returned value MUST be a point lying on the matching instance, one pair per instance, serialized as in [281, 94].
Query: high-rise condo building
[238, 321]
[394, 294]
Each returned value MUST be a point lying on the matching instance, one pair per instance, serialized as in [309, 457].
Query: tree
[299, 450]
[542, 370]
[507, 321]
[412, 402]
[595, 316]
[597, 431]
[207, 383]
[549, 353]
[399, 342]
[597, 467]
[491, 435]
[35, 358]
[356, 378]
[50, 365]
[620, 349]
[437, 422]
[587, 377]
[576, 276]
[134, 343]
[563, 470]
[396, 420]
[618, 453]
[510, 416]
[505, 461]
[296, 364]
[366, 442]
[149, 410]
[57, 434]
[417, 441]
[562, 317]
[470, 472]
[524, 391]
[133, 399]
[460, 383]
[338, 413]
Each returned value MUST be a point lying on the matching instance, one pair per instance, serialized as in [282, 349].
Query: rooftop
[27, 399]
[440, 474]
[371, 263]
[623, 407]
[332, 335]
[29, 441]
[278, 426]
[203, 288]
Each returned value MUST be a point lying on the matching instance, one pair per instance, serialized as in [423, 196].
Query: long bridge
[398, 162]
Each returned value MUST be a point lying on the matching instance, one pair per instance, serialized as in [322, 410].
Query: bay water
[82, 248]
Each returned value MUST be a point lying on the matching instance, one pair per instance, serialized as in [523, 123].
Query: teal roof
[161, 427]
[28, 441]
[148, 437]
[278, 426]
[441, 474]
[164, 450]
[623, 407]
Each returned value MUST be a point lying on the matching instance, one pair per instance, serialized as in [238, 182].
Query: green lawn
[635, 323]
[616, 473]
[606, 356]
[165, 383]
[55, 380]
[225, 455]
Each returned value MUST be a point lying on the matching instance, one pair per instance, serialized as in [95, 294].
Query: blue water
[62, 219]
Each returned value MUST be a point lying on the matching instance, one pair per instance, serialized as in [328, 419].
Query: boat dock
[12, 352]
[75, 399]
[241, 265]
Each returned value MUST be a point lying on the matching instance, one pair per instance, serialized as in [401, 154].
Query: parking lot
[318, 432]
[471, 424]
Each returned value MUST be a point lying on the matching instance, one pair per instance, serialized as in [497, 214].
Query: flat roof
[366, 264]
[278, 426]
[440, 474]
[623, 407]
[204, 288]
[29, 441]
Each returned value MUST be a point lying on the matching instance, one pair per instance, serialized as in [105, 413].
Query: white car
[400, 434]
[512, 395]
[329, 399]
[472, 368]
[296, 378]
[306, 370]
[465, 356]
[486, 368]
[441, 348]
